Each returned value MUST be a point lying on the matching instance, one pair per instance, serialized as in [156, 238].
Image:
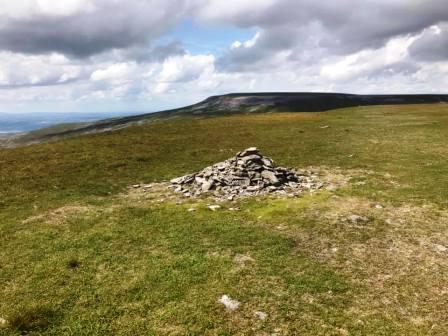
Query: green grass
[78, 256]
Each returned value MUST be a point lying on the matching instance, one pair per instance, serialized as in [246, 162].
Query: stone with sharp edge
[249, 173]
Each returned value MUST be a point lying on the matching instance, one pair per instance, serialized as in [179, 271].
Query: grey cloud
[431, 46]
[113, 25]
[50, 81]
[340, 27]
[404, 68]
[155, 54]
[268, 43]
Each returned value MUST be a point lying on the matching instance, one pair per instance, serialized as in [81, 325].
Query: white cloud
[368, 61]
[18, 70]
[116, 71]
[183, 69]
[223, 11]
[71, 50]
[19, 9]
[246, 44]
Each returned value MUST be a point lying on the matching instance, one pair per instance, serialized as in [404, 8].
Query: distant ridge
[235, 103]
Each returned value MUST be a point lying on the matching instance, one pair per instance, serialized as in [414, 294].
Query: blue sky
[66, 56]
[205, 38]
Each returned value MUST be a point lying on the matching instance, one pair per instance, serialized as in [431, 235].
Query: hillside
[232, 104]
[82, 252]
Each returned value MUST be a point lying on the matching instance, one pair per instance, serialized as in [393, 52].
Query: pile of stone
[249, 173]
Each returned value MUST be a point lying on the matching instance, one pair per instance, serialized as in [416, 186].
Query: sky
[149, 55]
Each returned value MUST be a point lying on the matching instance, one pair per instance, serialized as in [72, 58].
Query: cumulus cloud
[118, 50]
[181, 69]
[22, 70]
[369, 62]
[432, 44]
[338, 27]
[82, 28]
[156, 54]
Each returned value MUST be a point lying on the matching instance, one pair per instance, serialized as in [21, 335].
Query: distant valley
[26, 122]
[234, 103]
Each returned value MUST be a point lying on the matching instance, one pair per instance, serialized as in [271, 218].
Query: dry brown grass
[399, 256]
[60, 215]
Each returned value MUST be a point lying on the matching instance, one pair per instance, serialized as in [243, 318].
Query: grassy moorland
[81, 255]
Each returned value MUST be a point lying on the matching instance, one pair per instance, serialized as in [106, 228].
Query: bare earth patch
[60, 215]
[161, 192]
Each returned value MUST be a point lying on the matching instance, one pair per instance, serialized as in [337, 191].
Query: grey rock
[214, 207]
[206, 186]
[270, 176]
[248, 174]
[253, 188]
[253, 157]
[248, 151]
[356, 219]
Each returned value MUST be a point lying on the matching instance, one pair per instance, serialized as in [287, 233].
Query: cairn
[249, 173]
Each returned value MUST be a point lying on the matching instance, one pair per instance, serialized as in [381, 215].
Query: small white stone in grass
[242, 259]
[378, 206]
[3, 321]
[191, 210]
[214, 207]
[262, 316]
[229, 303]
[356, 219]
[440, 248]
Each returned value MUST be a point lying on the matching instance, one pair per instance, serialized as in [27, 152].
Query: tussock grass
[35, 319]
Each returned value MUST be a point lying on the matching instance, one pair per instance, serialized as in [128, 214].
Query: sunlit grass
[79, 257]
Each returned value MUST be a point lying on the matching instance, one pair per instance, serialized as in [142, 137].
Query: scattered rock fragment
[3, 322]
[214, 207]
[242, 259]
[356, 219]
[249, 173]
[191, 210]
[440, 248]
[229, 303]
[334, 249]
[261, 315]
